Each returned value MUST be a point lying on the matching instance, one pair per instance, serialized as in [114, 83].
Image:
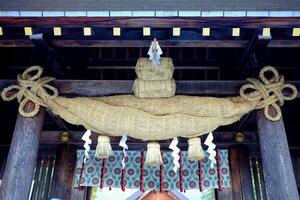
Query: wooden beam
[139, 22]
[277, 165]
[221, 138]
[114, 87]
[19, 169]
[240, 172]
[145, 43]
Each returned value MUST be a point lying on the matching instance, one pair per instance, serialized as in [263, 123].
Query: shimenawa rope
[31, 88]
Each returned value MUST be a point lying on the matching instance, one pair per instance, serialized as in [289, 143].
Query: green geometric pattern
[92, 172]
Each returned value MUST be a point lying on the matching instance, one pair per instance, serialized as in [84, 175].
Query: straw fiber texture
[147, 71]
[151, 119]
[154, 89]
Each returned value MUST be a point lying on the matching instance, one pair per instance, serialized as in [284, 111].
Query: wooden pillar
[21, 161]
[277, 166]
[297, 169]
[241, 182]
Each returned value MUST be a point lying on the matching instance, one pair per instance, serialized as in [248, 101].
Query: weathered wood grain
[277, 166]
[164, 22]
[19, 169]
[114, 87]
[225, 194]
[64, 171]
[240, 173]
[145, 43]
[222, 139]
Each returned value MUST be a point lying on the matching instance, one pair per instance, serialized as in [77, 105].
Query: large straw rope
[268, 92]
[31, 88]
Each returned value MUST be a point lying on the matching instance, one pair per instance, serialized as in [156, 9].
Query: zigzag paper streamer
[211, 149]
[88, 142]
[123, 144]
[175, 153]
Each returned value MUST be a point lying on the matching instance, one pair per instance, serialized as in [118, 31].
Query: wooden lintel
[114, 87]
[145, 43]
[138, 22]
[221, 138]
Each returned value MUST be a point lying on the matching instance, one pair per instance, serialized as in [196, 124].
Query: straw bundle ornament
[154, 89]
[151, 119]
[147, 71]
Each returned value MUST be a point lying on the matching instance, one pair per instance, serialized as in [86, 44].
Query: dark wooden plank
[277, 165]
[138, 22]
[64, 171]
[16, 43]
[225, 194]
[240, 173]
[77, 194]
[110, 87]
[145, 43]
[113, 87]
[235, 174]
[19, 169]
[223, 139]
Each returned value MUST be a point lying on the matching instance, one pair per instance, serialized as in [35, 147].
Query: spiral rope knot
[269, 92]
[31, 88]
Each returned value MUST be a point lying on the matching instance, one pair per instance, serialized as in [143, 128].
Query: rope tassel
[153, 156]
[103, 149]
[195, 151]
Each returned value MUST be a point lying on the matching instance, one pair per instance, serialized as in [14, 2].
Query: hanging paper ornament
[175, 153]
[103, 149]
[154, 52]
[123, 144]
[211, 149]
[195, 151]
[153, 156]
[87, 143]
